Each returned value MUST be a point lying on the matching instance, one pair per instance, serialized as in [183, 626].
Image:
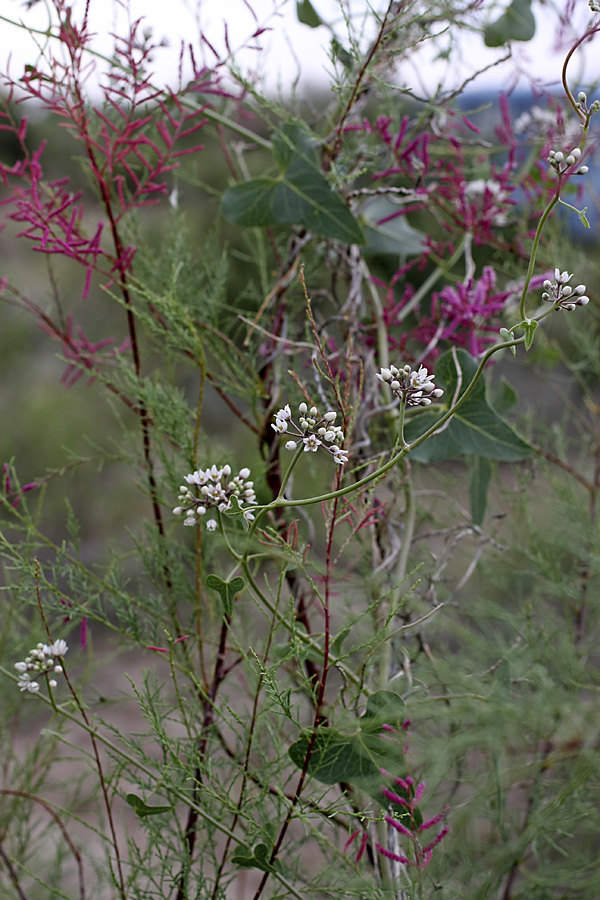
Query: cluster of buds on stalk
[562, 294]
[581, 103]
[414, 388]
[41, 660]
[214, 489]
[312, 430]
[560, 161]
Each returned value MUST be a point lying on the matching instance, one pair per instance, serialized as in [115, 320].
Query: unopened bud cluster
[582, 96]
[562, 294]
[213, 488]
[413, 387]
[312, 430]
[42, 660]
[560, 161]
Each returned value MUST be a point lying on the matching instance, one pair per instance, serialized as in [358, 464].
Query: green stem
[373, 476]
[534, 249]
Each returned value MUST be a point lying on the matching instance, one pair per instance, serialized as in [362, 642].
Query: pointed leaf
[475, 429]
[395, 236]
[141, 808]
[529, 329]
[300, 196]
[307, 14]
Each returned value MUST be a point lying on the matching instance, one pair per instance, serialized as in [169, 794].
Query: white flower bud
[227, 471]
[558, 157]
[291, 445]
[582, 170]
[303, 409]
[567, 291]
[576, 152]
[582, 96]
[330, 416]
[583, 301]
[244, 473]
[570, 159]
[52, 683]
[21, 666]
[178, 510]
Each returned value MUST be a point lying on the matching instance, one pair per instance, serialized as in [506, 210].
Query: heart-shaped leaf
[300, 195]
[516, 23]
[256, 859]
[475, 429]
[226, 590]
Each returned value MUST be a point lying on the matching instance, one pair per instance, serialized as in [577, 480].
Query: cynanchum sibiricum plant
[412, 387]
[299, 639]
[313, 431]
[214, 489]
[561, 294]
[41, 660]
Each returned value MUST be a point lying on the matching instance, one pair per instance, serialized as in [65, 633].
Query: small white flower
[290, 445]
[211, 524]
[189, 521]
[21, 667]
[59, 648]
[311, 442]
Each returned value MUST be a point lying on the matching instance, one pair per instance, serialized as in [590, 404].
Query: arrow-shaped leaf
[226, 590]
[300, 195]
[475, 429]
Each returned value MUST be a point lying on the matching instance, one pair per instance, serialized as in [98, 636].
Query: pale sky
[289, 46]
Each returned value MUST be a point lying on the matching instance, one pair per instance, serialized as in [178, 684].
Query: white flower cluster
[560, 163]
[313, 431]
[215, 488]
[561, 293]
[415, 388]
[40, 661]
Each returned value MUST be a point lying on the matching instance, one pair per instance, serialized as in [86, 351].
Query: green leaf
[517, 23]
[356, 758]
[257, 859]
[529, 329]
[504, 397]
[226, 590]
[383, 708]
[395, 236]
[142, 810]
[476, 429]
[307, 15]
[235, 511]
[339, 52]
[300, 195]
[479, 484]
